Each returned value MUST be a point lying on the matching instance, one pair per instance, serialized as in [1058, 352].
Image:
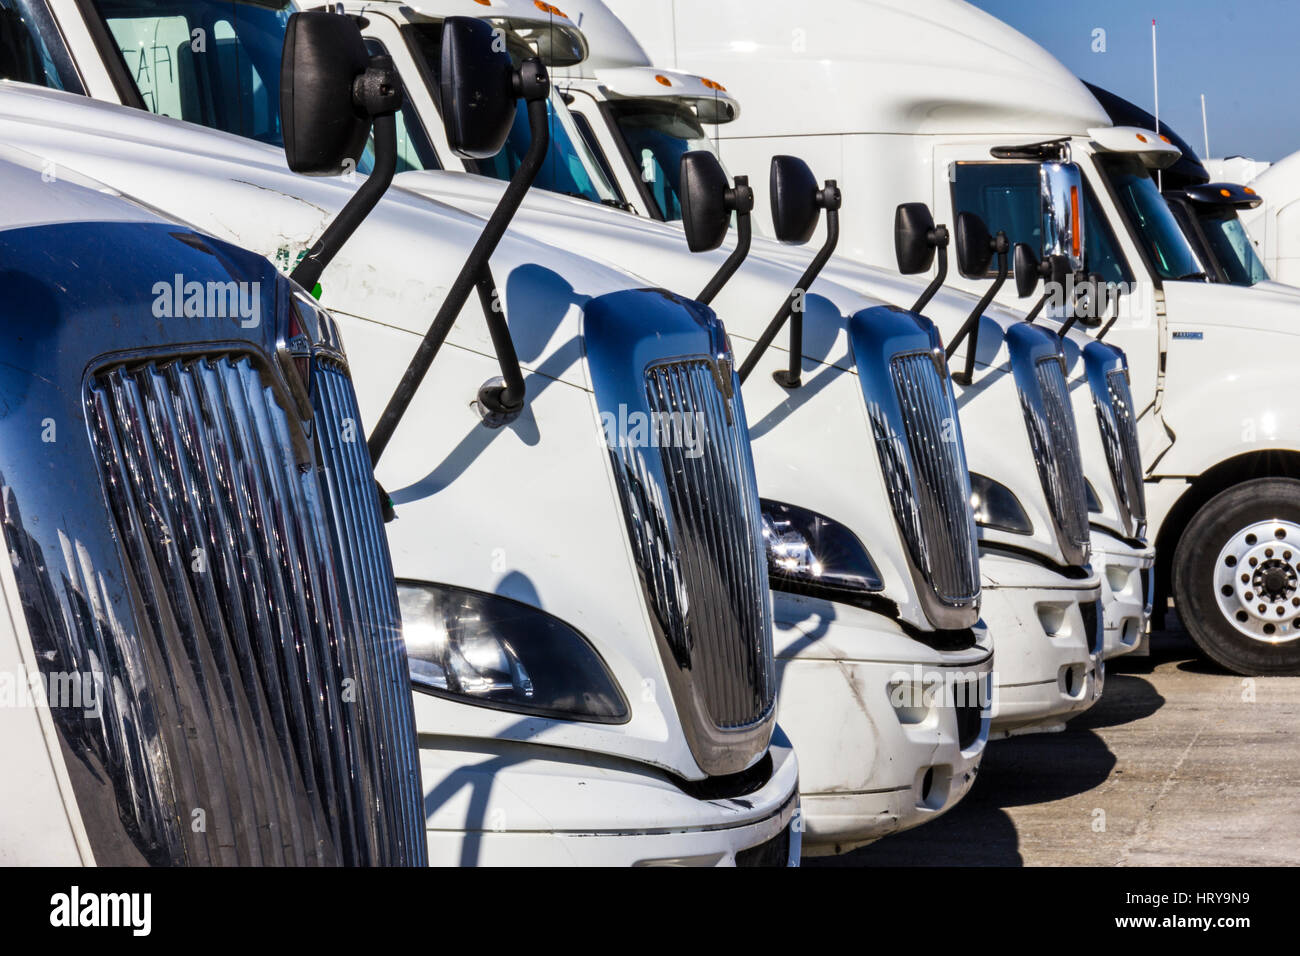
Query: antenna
[1155, 81]
[1205, 127]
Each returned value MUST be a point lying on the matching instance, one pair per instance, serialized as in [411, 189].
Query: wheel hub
[1257, 581]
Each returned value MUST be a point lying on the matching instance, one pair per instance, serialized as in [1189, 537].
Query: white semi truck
[1217, 444]
[546, 551]
[199, 631]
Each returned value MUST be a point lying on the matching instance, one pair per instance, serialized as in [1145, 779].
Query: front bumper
[1048, 665]
[501, 803]
[877, 753]
[1126, 591]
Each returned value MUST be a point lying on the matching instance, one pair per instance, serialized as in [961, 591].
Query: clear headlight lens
[809, 553]
[500, 653]
[996, 506]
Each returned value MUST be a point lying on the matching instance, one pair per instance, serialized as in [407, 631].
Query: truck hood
[1266, 307]
[395, 269]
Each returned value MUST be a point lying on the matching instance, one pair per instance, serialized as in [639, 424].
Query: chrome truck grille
[934, 506]
[1117, 420]
[914, 420]
[1049, 418]
[690, 502]
[269, 621]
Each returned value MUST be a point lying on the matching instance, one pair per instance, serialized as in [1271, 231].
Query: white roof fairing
[866, 66]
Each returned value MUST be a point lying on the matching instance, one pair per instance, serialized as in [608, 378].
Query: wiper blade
[1192, 275]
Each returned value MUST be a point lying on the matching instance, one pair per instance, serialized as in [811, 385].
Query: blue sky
[1244, 55]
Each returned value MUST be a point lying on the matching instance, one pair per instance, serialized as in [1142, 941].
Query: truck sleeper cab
[734, 792]
[199, 592]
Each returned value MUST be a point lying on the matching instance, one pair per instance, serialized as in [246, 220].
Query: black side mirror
[323, 59]
[478, 85]
[797, 205]
[1028, 270]
[796, 209]
[914, 235]
[916, 241]
[975, 246]
[331, 92]
[706, 201]
[975, 251]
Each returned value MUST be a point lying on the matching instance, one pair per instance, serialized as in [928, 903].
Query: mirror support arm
[510, 397]
[744, 236]
[340, 230]
[789, 310]
[941, 248]
[971, 327]
[471, 274]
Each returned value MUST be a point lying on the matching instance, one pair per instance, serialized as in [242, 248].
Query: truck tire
[1236, 579]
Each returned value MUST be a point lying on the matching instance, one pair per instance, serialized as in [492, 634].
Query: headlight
[809, 553]
[499, 653]
[1094, 503]
[996, 506]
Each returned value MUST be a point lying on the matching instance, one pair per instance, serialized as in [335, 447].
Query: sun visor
[709, 98]
[1155, 152]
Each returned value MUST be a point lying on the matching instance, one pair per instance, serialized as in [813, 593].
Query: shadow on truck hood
[657, 252]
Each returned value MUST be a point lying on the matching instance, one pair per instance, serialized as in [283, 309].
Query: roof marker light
[1166, 139]
[1247, 190]
[713, 85]
[1225, 193]
[549, 8]
[1141, 138]
[663, 80]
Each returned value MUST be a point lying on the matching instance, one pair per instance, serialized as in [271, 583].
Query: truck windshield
[217, 63]
[31, 49]
[1154, 227]
[1230, 246]
[656, 135]
[1008, 197]
[570, 167]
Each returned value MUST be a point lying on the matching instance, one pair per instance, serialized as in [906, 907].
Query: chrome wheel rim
[1257, 581]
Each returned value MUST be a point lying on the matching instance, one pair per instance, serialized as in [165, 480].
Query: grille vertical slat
[264, 582]
[714, 545]
[1055, 444]
[1117, 419]
[926, 470]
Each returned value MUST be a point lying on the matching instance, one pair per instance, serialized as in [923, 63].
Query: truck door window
[211, 62]
[1153, 226]
[1006, 195]
[31, 50]
[1229, 245]
[570, 168]
[655, 135]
